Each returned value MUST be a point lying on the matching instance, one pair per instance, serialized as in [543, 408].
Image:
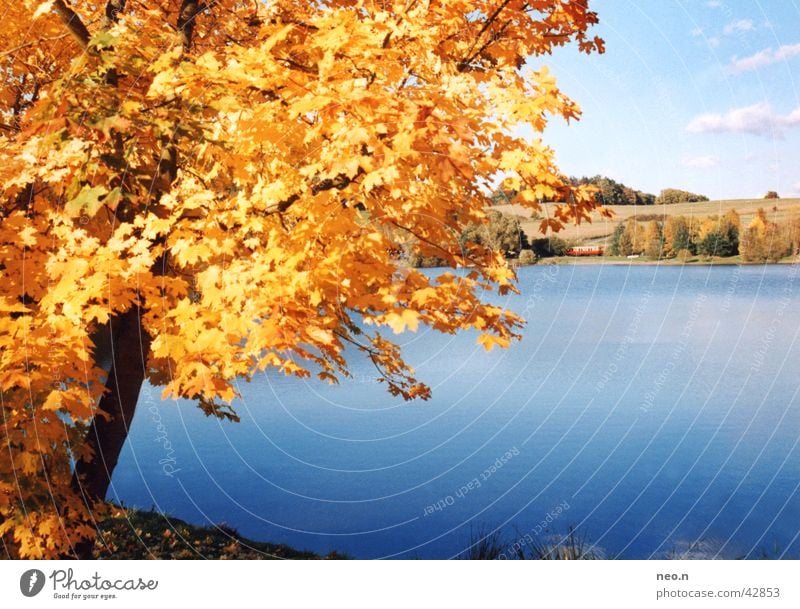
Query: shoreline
[569, 261]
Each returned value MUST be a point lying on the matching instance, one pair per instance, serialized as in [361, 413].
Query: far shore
[621, 261]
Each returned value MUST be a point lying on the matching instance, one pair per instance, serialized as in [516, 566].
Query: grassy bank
[644, 260]
[137, 535]
[134, 535]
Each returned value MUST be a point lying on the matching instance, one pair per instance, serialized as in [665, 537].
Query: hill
[599, 231]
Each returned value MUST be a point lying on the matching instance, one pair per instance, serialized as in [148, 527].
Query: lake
[653, 408]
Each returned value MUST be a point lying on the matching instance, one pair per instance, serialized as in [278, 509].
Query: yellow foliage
[250, 199]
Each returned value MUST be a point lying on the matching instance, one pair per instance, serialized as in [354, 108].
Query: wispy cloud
[763, 58]
[734, 27]
[713, 42]
[701, 162]
[696, 32]
[713, 3]
[758, 119]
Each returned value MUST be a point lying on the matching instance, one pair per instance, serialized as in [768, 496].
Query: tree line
[658, 237]
[611, 192]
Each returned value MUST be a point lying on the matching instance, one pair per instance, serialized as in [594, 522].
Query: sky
[702, 95]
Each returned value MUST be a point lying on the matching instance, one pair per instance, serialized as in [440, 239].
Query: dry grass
[601, 228]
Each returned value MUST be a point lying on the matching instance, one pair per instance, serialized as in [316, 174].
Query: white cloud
[743, 25]
[696, 32]
[701, 162]
[758, 119]
[713, 3]
[713, 42]
[763, 58]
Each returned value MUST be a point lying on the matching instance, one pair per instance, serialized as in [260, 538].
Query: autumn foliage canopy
[234, 180]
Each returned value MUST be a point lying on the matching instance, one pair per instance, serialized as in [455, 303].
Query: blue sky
[702, 95]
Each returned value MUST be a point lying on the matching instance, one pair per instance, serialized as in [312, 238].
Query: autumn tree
[631, 238]
[677, 236]
[764, 240]
[653, 240]
[719, 236]
[793, 234]
[194, 192]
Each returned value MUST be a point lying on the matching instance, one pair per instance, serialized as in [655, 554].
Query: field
[600, 229]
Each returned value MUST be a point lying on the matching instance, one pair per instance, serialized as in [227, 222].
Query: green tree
[718, 242]
[611, 192]
[547, 247]
[677, 235]
[615, 249]
[670, 196]
[500, 232]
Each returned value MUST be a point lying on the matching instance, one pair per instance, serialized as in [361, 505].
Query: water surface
[655, 408]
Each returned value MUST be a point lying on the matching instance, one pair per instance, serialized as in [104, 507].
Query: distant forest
[611, 192]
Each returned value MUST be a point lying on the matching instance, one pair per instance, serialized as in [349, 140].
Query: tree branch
[186, 20]
[31, 43]
[464, 63]
[73, 23]
[113, 9]
[340, 182]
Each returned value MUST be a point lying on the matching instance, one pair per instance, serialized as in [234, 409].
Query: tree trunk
[130, 345]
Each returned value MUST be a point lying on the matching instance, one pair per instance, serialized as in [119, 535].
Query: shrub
[527, 257]
[550, 246]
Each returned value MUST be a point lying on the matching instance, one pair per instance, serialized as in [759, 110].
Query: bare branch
[31, 43]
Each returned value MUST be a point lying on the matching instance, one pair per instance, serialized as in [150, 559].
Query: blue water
[653, 408]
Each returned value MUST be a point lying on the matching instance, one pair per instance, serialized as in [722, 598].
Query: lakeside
[600, 229]
[132, 534]
[644, 261]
